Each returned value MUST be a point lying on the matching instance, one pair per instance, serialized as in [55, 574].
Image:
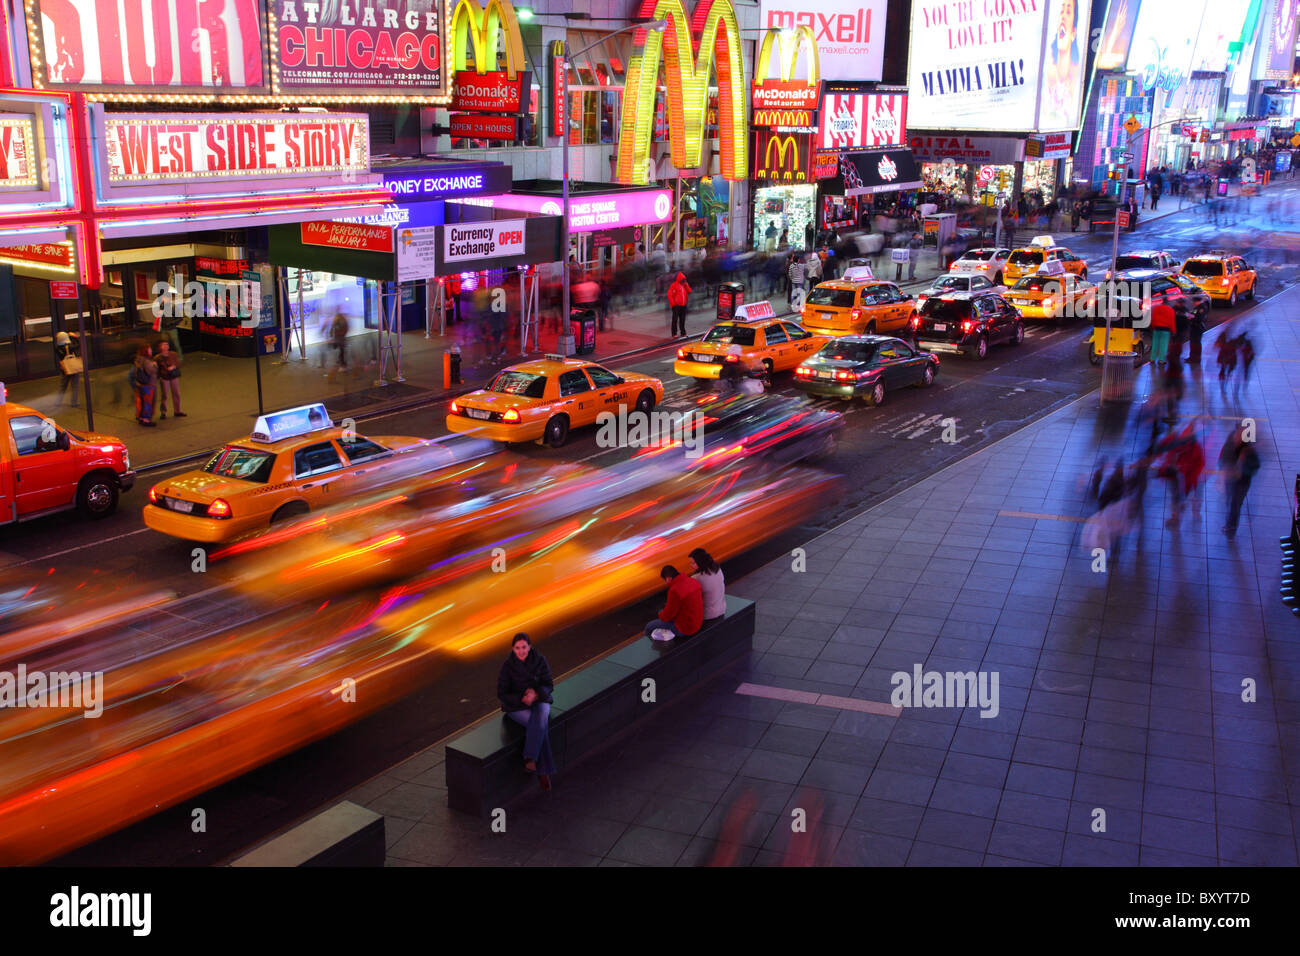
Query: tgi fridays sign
[199, 148]
[858, 120]
[482, 240]
[18, 166]
[340, 46]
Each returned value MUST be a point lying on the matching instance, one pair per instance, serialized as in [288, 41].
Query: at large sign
[784, 92]
[142, 148]
[997, 64]
[687, 73]
[123, 44]
[18, 165]
[850, 120]
[1281, 40]
[371, 46]
[783, 157]
[849, 34]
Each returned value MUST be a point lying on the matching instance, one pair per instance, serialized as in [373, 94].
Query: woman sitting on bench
[524, 688]
[712, 584]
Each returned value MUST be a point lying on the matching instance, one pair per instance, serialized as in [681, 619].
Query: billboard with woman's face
[1063, 60]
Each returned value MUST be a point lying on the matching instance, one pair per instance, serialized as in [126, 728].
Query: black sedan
[866, 366]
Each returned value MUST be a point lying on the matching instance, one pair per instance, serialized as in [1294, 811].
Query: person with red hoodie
[1163, 324]
[683, 612]
[679, 293]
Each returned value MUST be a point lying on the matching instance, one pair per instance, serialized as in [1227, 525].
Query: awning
[880, 171]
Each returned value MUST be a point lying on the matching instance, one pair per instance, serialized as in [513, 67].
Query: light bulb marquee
[686, 74]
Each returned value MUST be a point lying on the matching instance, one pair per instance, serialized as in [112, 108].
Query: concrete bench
[485, 766]
[343, 835]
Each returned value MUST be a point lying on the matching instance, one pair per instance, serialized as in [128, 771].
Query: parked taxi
[1224, 278]
[1053, 294]
[856, 304]
[1042, 250]
[777, 344]
[294, 462]
[543, 399]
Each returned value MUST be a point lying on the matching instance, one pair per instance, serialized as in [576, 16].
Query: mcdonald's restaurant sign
[783, 157]
[690, 49]
[482, 31]
[785, 92]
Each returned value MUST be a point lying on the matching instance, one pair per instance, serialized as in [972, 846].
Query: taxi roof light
[290, 423]
[556, 357]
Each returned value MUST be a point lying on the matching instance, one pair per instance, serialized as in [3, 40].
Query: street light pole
[658, 26]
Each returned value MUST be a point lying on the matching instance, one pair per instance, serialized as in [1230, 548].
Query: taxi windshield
[836, 298]
[1026, 257]
[735, 334]
[1134, 262]
[519, 383]
[1202, 267]
[1038, 284]
[246, 464]
[848, 351]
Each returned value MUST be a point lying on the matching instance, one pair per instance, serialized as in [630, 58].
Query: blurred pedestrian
[1239, 462]
[67, 354]
[524, 687]
[814, 268]
[795, 274]
[913, 254]
[169, 375]
[145, 383]
[1112, 489]
[679, 294]
[1227, 355]
[1163, 325]
[339, 338]
[1195, 330]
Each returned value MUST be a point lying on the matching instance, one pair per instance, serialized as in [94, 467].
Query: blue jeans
[656, 623]
[537, 742]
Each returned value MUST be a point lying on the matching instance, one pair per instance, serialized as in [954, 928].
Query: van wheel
[1232, 298]
[1093, 357]
[645, 402]
[981, 349]
[1250, 293]
[97, 494]
[294, 509]
[557, 431]
[870, 329]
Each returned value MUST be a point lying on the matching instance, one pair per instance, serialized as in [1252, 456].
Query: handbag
[71, 365]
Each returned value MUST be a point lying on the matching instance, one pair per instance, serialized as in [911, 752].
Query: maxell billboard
[850, 34]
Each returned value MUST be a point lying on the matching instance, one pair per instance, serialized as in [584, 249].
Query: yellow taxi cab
[756, 336]
[542, 399]
[1042, 250]
[1223, 277]
[1053, 294]
[856, 304]
[295, 461]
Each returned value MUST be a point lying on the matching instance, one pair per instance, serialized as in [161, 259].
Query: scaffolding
[529, 311]
[292, 324]
[390, 331]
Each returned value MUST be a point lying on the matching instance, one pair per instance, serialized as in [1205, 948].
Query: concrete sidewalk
[1122, 734]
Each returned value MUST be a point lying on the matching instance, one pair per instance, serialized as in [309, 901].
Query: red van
[45, 468]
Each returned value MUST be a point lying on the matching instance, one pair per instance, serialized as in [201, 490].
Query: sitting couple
[692, 602]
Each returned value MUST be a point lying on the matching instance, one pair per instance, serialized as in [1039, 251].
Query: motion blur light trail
[383, 595]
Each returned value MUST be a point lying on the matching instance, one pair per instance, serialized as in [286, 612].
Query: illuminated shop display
[788, 209]
[687, 76]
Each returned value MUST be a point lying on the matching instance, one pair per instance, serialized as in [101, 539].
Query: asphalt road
[880, 450]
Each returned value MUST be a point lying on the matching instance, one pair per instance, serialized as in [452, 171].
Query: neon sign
[786, 92]
[483, 29]
[687, 75]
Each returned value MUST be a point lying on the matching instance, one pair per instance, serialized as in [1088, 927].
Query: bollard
[455, 365]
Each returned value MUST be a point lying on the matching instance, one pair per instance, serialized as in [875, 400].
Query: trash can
[1117, 370]
[730, 295]
[582, 326]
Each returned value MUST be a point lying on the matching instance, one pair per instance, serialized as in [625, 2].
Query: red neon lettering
[290, 46]
[216, 153]
[318, 47]
[384, 51]
[136, 146]
[359, 50]
[408, 51]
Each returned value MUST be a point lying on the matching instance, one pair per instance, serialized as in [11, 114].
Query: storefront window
[325, 296]
[786, 211]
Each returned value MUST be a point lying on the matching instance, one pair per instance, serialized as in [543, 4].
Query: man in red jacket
[1163, 324]
[683, 611]
[679, 293]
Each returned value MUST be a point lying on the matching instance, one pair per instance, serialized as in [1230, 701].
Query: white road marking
[92, 544]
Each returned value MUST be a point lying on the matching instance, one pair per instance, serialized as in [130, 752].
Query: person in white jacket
[714, 586]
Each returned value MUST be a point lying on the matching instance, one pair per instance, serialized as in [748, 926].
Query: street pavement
[1124, 732]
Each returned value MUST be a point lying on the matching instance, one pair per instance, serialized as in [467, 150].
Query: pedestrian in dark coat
[524, 687]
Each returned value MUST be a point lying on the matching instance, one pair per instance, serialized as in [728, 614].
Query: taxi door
[44, 475]
[319, 474]
[802, 343]
[611, 391]
[577, 400]
[900, 308]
